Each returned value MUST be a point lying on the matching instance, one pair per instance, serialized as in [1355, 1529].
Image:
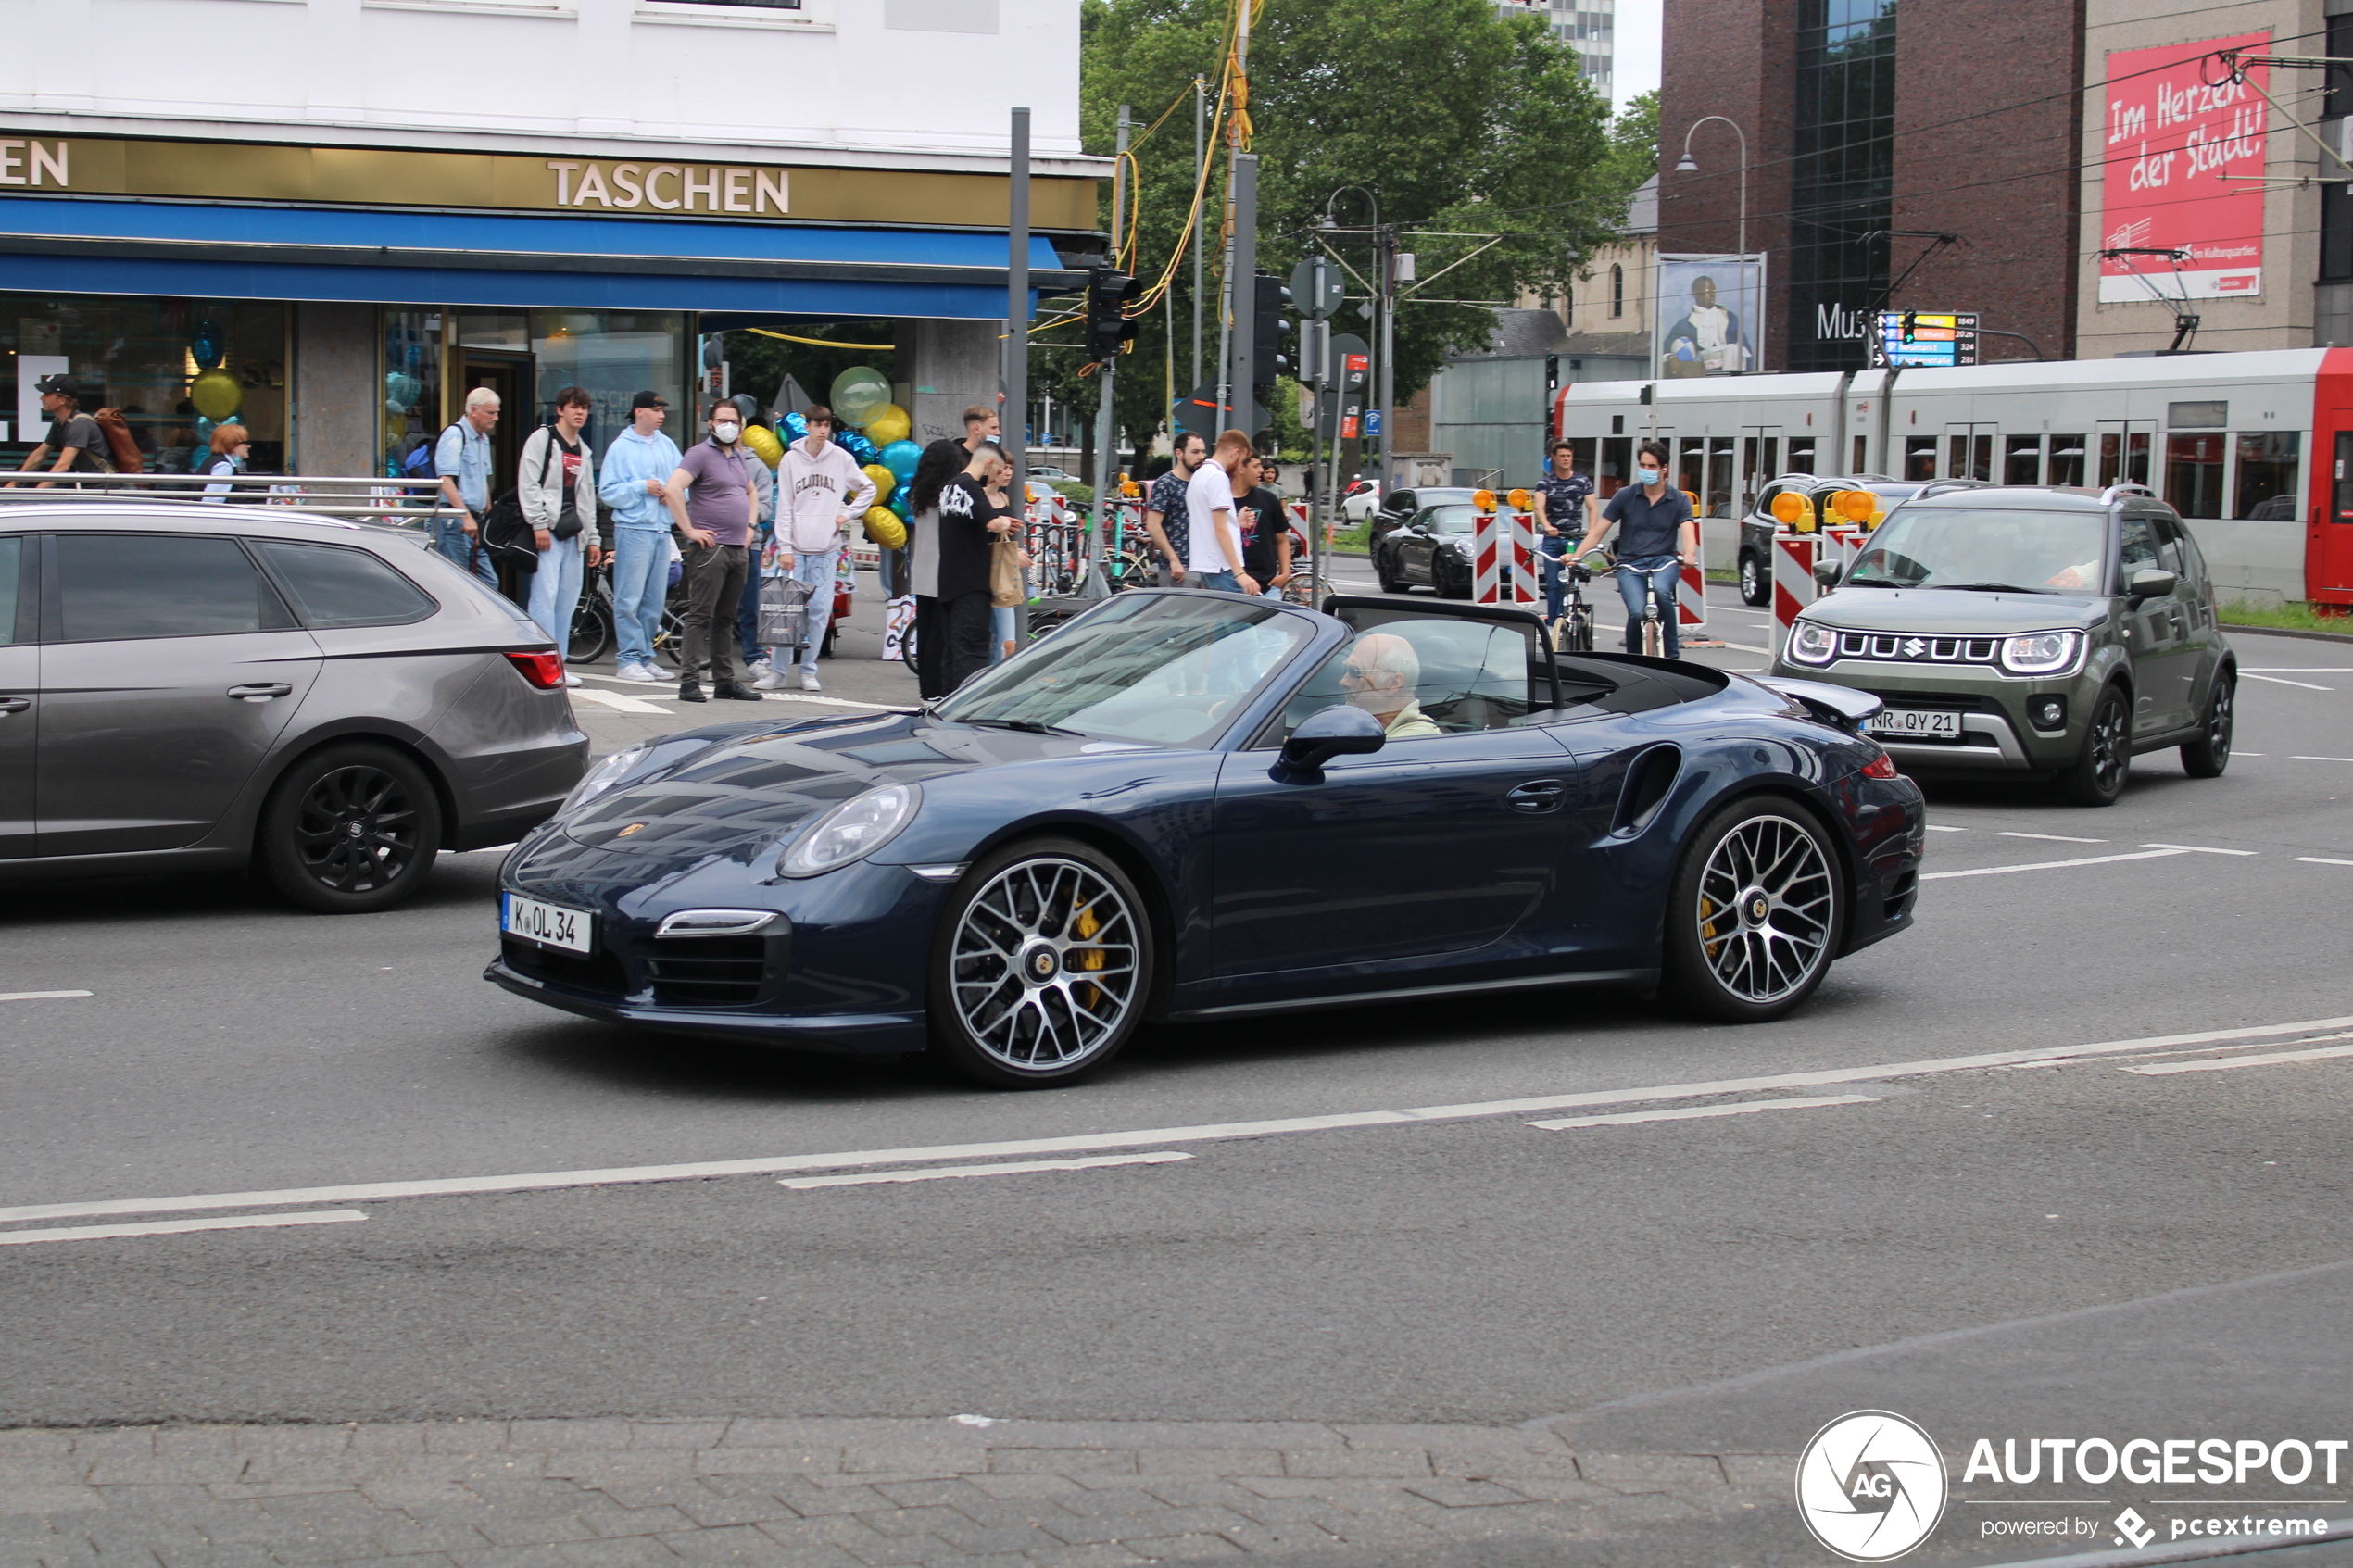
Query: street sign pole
[1017, 326]
[1093, 585]
[1317, 289]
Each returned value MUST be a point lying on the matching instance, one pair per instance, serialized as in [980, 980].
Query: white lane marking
[1741, 1107]
[2297, 758]
[2303, 859]
[2205, 849]
[38, 996]
[839, 702]
[1747, 647]
[1216, 1132]
[1940, 827]
[180, 1227]
[2054, 865]
[2297, 669]
[2283, 680]
[620, 702]
[2054, 838]
[2266, 1059]
[1014, 1168]
[490, 849]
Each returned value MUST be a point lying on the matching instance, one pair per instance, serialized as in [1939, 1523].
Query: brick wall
[1736, 58]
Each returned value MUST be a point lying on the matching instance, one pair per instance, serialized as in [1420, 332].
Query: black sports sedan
[1192, 806]
[1432, 551]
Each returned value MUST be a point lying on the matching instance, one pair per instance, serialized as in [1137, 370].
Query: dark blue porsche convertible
[1193, 806]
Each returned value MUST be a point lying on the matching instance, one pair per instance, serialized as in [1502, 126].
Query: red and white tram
[2255, 449]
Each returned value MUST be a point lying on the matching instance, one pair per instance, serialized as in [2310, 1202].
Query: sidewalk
[855, 1494]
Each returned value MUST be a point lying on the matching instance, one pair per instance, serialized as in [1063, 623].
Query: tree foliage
[1463, 124]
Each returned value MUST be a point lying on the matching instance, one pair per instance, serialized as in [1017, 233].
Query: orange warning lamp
[1854, 506]
[1789, 507]
[1521, 500]
[1483, 499]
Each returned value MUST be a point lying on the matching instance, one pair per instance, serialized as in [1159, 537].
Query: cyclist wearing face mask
[1656, 534]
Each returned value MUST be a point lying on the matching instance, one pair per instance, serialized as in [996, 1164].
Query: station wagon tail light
[2041, 653]
[1812, 644]
[851, 831]
[543, 668]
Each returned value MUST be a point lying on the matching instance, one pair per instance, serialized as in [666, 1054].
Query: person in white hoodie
[818, 489]
[558, 485]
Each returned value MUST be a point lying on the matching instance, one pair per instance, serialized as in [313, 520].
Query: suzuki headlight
[1812, 642]
[851, 831]
[2041, 653]
[608, 772]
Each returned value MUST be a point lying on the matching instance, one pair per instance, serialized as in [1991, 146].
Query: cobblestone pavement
[848, 1494]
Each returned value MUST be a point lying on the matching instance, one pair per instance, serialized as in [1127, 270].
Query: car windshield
[1451, 519]
[2041, 552]
[1165, 669]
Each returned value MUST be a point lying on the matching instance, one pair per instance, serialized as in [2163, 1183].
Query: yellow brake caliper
[1088, 957]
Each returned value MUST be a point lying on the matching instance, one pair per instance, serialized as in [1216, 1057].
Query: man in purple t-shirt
[714, 506]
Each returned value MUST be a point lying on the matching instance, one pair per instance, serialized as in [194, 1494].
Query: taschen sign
[2179, 152]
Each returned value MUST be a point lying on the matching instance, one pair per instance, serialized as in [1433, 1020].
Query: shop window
[2067, 461]
[2194, 474]
[2268, 462]
[176, 368]
[413, 386]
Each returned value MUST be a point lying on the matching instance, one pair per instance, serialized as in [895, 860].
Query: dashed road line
[619, 702]
[2283, 680]
[2221, 1064]
[1940, 827]
[2054, 865]
[2054, 838]
[39, 995]
[2204, 850]
[1689, 1113]
[2321, 860]
[181, 1227]
[1011, 1168]
[2300, 758]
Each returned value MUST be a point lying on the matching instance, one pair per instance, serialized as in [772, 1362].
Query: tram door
[2125, 445]
[2330, 562]
[1760, 463]
[1969, 451]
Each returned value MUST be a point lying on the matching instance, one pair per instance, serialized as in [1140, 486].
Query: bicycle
[1580, 617]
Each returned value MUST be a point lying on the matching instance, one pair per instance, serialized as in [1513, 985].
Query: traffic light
[1109, 294]
[1272, 352]
[1911, 324]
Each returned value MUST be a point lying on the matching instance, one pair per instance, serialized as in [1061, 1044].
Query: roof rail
[1938, 487]
[2128, 487]
[345, 500]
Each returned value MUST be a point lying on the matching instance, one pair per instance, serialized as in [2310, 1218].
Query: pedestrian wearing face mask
[714, 508]
[1656, 534]
[819, 488]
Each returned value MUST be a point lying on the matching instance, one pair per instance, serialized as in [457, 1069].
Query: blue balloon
[796, 425]
[900, 458]
[857, 446]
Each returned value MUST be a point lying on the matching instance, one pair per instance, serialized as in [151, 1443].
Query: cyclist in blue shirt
[1564, 515]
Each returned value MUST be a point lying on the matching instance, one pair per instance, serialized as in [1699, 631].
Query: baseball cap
[648, 400]
[60, 383]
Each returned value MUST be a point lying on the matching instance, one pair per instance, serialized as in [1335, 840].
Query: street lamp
[1689, 165]
[1383, 308]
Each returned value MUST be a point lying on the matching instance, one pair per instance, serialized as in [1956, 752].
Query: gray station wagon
[187, 686]
[2030, 629]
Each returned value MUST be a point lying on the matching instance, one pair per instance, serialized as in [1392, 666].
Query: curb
[2287, 632]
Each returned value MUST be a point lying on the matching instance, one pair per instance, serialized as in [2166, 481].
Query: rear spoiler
[1842, 705]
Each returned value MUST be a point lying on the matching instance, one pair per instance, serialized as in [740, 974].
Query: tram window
[2023, 464]
[2067, 461]
[2194, 474]
[1581, 456]
[1618, 460]
[2124, 457]
[1716, 497]
[1800, 454]
[1692, 476]
[1862, 454]
[2268, 462]
[1919, 458]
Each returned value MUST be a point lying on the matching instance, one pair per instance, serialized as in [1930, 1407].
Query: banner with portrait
[1708, 317]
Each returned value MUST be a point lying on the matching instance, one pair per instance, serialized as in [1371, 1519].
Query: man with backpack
[74, 444]
[557, 487]
[461, 459]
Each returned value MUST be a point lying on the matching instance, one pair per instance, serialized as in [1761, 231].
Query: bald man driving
[1379, 677]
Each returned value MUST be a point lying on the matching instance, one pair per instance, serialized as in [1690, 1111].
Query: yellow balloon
[885, 529]
[885, 481]
[216, 394]
[764, 444]
[888, 424]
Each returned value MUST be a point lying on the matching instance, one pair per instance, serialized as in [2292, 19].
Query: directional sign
[1372, 424]
[1926, 337]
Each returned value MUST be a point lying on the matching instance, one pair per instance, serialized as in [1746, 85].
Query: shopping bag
[783, 612]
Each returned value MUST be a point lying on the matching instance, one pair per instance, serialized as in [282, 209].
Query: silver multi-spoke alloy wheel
[1046, 966]
[1765, 908]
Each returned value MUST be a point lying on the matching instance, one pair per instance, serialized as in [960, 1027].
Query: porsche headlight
[608, 772]
[851, 831]
[1812, 642]
[2041, 653]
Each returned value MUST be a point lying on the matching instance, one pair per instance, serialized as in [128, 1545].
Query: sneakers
[690, 690]
[570, 679]
[734, 693]
[759, 667]
[809, 681]
[637, 672]
[771, 681]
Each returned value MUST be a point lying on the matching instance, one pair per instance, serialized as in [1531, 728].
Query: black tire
[592, 630]
[1024, 1022]
[1446, 585]
[1756, 588]
[2205, 756]
[1390, 582]
[1579, 637]
[1755, 915]
[2098, 777]
[351, 829]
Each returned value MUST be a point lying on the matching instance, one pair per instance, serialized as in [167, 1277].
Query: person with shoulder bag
[74, 443]
[461, 459]
[557, 488]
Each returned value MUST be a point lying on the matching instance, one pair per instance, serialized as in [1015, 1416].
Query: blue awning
[168, 248]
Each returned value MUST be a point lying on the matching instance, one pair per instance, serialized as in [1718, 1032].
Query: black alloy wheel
[2097, 778]
[1756, 587]
[2205, 756]
[1041, 966]
[1443, 581]
[1390, 582]
[351, 829]
[1757, 913]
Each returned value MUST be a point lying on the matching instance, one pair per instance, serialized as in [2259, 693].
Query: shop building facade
[380, 204]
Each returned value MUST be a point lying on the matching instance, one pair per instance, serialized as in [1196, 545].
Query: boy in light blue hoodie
[637, 464]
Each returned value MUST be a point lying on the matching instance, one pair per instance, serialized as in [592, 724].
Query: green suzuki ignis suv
[2026, 629]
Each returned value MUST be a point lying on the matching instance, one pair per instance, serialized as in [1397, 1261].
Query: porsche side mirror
[1826, 572]
[1336, 732]
[2153, 583]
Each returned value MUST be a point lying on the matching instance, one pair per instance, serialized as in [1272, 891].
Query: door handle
[261, 690]
[14, 704]
[1543, 795]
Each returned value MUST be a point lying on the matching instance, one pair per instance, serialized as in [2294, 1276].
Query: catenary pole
[1093, 586]
[1017, 328]
[1201, 220]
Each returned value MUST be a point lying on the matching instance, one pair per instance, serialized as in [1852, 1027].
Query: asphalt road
[2053, 1243]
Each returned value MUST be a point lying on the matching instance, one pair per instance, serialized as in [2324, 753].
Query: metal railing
[394, 503]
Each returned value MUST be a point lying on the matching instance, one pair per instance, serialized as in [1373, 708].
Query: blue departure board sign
[1926, 337]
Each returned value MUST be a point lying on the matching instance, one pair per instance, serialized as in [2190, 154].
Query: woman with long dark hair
[941, 462]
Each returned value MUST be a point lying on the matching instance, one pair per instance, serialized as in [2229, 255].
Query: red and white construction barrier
[1690, 591]
[1502, 541]
[1794, 584]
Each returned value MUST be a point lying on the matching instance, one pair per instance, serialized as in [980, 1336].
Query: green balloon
[859, 394]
